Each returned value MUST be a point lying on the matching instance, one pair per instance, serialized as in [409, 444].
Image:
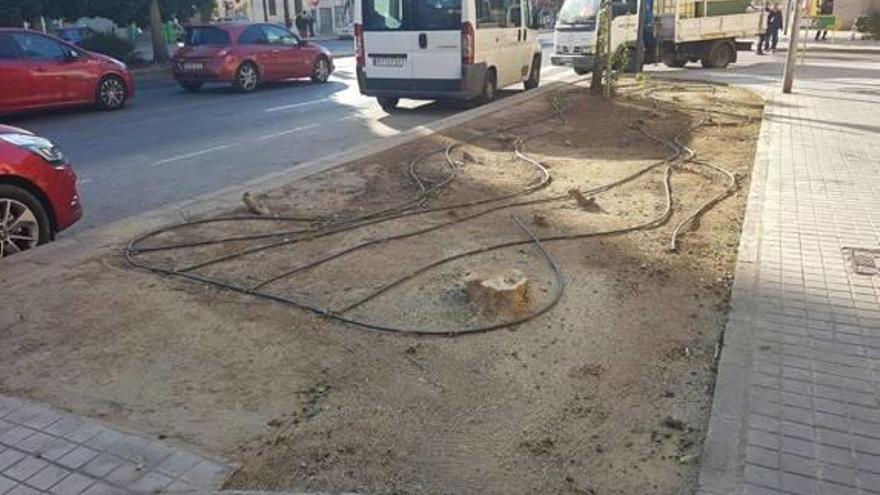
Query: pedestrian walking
[774, 25]
[311, 23]
[763, 30]
[826, 9]
[302, 24]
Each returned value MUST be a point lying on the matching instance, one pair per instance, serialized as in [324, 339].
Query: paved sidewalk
[45, 451]
[796, 408]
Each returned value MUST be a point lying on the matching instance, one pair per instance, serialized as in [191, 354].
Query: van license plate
[388, 61]
[193, 66]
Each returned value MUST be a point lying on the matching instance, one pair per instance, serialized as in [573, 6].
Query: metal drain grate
[863, 261]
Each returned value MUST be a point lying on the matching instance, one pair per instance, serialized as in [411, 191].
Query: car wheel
[388, 104]
[535, 75]
[191, 86]
[489, 87]
[581, 71]
[24, 223]
[112, 93]
[247, 77]
[321, 71]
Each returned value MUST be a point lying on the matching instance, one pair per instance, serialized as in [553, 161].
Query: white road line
[289, 131]
[189, 155]
[296, 105]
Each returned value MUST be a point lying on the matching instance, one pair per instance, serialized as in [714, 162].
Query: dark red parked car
[246, 55]
[39, 71]
[38, 195]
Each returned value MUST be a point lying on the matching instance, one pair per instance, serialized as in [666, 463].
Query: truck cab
[675, 31]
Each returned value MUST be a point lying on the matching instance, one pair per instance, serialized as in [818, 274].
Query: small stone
[688, 459]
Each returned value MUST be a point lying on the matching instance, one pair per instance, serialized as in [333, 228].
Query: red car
[246, 55]
[40, 71]
[38, 195]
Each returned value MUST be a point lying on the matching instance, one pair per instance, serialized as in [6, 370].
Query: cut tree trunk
[160, 48]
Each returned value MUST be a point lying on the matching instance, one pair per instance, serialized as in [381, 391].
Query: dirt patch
[608, 392]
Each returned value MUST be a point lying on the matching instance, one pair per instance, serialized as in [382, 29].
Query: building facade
[332, 17]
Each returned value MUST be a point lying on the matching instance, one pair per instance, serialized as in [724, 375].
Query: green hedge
[869, 24]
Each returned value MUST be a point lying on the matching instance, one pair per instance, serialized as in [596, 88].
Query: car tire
[321, 70]
[388, 104]
[111, 93]
[534, 79]
[581, 71]
[490, 86]
[247, 77]
[191, 86]
[27, 219]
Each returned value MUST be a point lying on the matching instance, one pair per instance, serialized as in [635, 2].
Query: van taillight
[359, 44]
[467, 43]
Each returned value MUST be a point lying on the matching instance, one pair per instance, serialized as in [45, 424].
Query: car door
[15, 85]
[254, 45]
[291, 60]
[44, 58]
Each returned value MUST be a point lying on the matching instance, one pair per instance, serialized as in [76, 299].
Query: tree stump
[498, 293]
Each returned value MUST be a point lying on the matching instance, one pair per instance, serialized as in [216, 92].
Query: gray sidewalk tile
[61, 454]
[803, 414]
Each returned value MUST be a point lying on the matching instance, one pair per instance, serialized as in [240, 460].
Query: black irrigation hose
[680, 153]
[392, 213]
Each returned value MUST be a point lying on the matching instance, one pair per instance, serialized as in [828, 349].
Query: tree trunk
[160, 49]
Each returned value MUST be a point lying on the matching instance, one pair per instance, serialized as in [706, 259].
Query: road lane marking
[189, 155]
[289, 131]
[296, 105]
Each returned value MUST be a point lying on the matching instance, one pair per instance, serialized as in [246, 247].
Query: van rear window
[412, 15]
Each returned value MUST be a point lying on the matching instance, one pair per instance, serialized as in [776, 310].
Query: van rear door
[412, 39]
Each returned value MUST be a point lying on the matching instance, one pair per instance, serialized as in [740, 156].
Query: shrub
[109, 44]
[869, 24]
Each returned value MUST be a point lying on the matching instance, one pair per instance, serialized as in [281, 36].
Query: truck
[675, 31]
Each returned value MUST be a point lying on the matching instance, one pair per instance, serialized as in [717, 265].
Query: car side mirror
[302, 42]
[71, 55]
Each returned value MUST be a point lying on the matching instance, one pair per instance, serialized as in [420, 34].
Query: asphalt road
[169, 145]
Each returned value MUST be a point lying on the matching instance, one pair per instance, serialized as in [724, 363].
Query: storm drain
[863, 261]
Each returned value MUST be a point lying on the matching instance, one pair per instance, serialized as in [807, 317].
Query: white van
[444, 49]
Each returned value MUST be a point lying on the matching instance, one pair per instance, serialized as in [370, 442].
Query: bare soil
[607, 393]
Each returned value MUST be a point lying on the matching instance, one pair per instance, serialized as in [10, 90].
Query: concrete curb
[32, 266]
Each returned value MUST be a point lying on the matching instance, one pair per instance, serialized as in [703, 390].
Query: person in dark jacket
[774, 25]
[311, 23]
[302, 24]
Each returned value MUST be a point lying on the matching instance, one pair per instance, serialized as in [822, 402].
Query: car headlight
[38, 145]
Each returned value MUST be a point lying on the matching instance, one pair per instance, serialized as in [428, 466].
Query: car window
[36, 47]
[205, 35]
[8, 48]
[498, 13]
[277, 35]
[412, 15]
[253, 35]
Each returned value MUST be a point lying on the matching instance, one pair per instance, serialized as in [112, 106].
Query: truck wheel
[719, 57]
[581, 71]
[388, 104]
[674, 62]
[534, 75]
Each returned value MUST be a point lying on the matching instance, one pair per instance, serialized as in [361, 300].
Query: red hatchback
[246, 55]
[40, 71]
[37, 191]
